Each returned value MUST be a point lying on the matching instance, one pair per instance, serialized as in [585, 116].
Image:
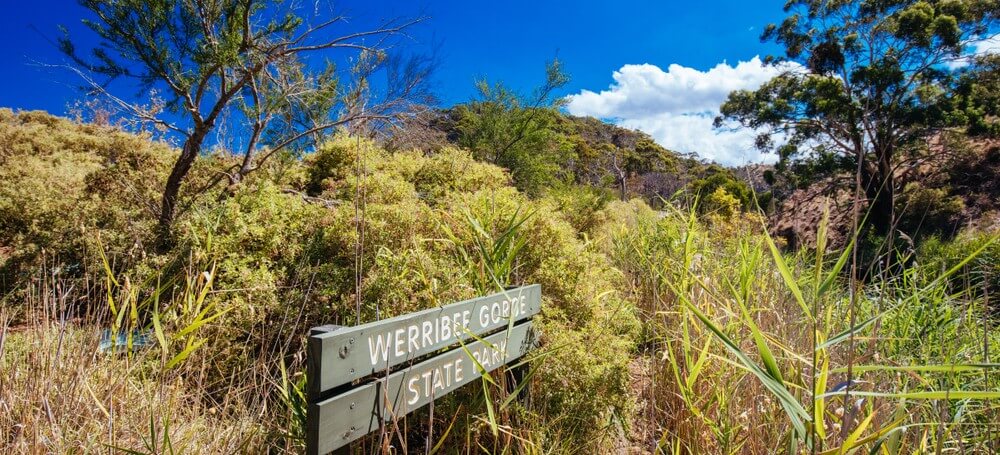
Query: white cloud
[989, 45]
[676, 107]
[694, 133]
[975, 48]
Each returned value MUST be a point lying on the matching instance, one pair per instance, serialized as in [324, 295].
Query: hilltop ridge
[622, 162]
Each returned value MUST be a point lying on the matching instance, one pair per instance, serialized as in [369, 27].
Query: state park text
[404, 341]
[347, 400]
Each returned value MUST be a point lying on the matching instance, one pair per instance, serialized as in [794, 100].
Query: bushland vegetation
[211, 354]
[841, 301]
[681, 329]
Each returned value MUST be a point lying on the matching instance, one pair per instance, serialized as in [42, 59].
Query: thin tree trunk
[885, 204]
[168, 203]
[879, 189]
[887, 208]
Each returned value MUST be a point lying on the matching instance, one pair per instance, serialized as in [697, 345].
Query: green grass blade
[786, 275]
[180, 357]
[831, 276]
[927, 395]
[847, 333]
[766, 356]
[795, 411]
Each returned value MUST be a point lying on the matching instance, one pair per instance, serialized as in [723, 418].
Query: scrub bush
[285, 262]
[69, 189]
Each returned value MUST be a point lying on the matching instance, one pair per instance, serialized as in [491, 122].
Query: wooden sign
[418, 357]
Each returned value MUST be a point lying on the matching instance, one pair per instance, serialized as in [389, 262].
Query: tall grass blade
[786, 275]
[794, 410]
[847, 333]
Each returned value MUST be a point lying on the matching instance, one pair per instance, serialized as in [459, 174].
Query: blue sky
[508, 41]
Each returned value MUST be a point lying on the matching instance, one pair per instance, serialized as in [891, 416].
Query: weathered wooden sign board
[363, 376]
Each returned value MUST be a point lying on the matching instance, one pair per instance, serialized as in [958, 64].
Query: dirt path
[641, 436]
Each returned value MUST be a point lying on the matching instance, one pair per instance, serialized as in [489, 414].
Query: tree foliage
[865, 82]
[242, 63]
[979, 96]
[515, 131]
[717, 178]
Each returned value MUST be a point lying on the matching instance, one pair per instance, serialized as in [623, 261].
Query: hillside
[636, 303]
[950, 189]
[588, 152]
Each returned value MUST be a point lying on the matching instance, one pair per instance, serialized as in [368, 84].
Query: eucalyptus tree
[514, 131]
[980, 88]
[244, 63]
[866, 83]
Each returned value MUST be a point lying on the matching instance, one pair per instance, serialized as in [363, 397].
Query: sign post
[361, 377]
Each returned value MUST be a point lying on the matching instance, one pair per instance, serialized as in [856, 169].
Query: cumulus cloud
[990, 45]
[676, 107]
[688, 133]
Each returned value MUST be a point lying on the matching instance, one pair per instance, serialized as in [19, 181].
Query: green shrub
[716, 177]
[68, 189]
[588, 328]
[260, 241]
[929, 211]
[721, 203]
[581, 205]
[982, 274]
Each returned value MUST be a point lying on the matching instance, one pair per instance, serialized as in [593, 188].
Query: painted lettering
[413, 334]
[447, 374]
[379, 346]
[400, 342]
[445, 328]
[458, 370]
[438, 381]
[457, 325]
[427, 331]
[484, 316]
[411, 386]
[427, 383]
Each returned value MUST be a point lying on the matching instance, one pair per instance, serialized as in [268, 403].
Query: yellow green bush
[660, 328]
[286, 258]
[927, 211]
[66, 185]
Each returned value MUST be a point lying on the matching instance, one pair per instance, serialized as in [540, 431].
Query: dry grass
[735, 368]
[729, 351]
[60, 394]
